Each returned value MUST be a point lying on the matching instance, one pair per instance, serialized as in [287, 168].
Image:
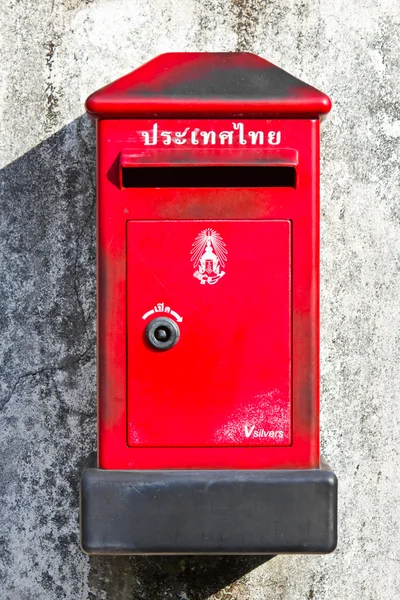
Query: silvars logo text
[209, 255]
[261, 433]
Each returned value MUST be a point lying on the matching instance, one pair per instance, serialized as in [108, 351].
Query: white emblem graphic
[209, 256]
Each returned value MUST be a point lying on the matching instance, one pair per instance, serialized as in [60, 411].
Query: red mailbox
[208, 312]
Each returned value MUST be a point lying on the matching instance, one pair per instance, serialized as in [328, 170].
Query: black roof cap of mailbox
[205, 85]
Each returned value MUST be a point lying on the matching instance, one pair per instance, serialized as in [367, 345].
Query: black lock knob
[162, 333]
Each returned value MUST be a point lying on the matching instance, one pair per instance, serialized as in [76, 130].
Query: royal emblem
[209, 256]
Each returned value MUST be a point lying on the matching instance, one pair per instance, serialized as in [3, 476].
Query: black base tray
[208, 512]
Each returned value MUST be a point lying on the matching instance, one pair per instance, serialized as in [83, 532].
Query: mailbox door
[227, 285]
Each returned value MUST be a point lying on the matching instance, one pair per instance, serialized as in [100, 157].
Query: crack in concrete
[50, 90]
[62, 366]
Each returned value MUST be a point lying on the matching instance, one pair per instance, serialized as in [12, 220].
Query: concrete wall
[53, 54]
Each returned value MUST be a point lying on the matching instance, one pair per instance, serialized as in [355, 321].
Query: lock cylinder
[162, 333]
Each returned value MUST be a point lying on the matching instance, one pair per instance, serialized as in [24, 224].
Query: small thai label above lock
[209, 256]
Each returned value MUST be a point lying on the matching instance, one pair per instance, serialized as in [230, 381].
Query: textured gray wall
[53, 54]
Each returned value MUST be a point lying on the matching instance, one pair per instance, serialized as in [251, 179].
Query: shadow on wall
[47, 317]
[171, 578]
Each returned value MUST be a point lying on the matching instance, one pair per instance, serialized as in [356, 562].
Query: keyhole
[162, 334]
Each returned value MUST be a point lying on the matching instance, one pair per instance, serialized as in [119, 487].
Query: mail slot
[208, 313]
